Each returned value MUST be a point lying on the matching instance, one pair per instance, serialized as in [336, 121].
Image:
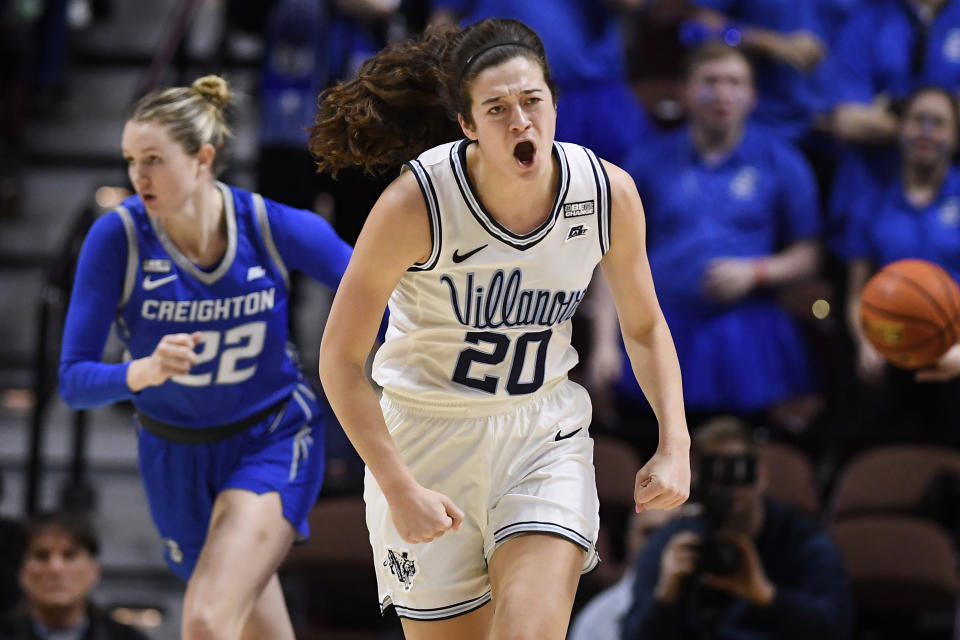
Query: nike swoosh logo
[569, 435]
[460, 257]
[150, 285]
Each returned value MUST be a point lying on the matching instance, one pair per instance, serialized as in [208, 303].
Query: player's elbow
[643, 326]
[68, 387]
[333, 362]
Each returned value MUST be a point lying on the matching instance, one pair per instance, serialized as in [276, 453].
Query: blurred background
[828, 161]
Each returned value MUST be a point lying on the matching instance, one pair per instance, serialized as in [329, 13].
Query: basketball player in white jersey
[480, 489]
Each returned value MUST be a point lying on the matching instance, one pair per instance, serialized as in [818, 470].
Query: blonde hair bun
[213, 89]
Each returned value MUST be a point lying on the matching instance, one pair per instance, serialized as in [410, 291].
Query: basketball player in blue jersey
[195, 274]
[481, 493]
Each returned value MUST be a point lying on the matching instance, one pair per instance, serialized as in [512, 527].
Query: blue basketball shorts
[283, 453]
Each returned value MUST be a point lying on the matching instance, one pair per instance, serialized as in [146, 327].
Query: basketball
[910, 312]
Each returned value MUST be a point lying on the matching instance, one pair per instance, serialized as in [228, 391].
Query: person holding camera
[744, 566]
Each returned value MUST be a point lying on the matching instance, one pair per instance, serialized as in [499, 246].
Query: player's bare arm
[664, 482]
[395, 236]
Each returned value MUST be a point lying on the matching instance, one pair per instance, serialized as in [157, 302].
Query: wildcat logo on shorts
[402, 566]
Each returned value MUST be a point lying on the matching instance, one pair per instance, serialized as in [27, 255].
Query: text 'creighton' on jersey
[209, 310]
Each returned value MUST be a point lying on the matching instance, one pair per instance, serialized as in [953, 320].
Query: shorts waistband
[471, 408]
[206, 435]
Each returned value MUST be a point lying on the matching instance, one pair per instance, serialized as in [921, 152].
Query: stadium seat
[791, 477]
[890, 478]
[898, 563]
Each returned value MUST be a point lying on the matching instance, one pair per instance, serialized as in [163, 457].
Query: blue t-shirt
[130, 272]
[859, 172]
[748, 354]
[787, 99]
[875, 53]
[834, 15]
[761, 198]
[887, 227]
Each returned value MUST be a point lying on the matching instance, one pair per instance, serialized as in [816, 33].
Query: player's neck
[921, 183]
[199, 230]
[519, 205]
[56, 618]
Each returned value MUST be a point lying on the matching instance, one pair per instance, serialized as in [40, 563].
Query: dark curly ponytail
[406, 98]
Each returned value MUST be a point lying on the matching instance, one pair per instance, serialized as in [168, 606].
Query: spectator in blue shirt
[890, 48]
[834, 15]
[787, 39]
[916, 214]
[732, 216]
[585, 50]
[785, 579]
[887, 50]
[858, 170]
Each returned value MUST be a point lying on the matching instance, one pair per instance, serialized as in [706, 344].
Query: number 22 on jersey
[241, 342]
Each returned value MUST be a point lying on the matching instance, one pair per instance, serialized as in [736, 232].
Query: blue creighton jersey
[245, 363]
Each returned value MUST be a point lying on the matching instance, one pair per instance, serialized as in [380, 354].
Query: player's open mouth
[147, 197]
[525, 153]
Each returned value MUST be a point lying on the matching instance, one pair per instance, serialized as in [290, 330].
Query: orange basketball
[910, 312]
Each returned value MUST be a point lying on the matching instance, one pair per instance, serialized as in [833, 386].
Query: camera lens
[719, 556]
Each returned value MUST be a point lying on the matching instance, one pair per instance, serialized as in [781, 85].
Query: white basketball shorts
[524, 466]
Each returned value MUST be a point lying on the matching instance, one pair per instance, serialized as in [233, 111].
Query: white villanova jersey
[487, 315]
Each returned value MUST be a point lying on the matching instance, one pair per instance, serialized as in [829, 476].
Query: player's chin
[152, 206]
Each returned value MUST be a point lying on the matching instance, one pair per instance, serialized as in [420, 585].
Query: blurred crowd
[784, 152]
